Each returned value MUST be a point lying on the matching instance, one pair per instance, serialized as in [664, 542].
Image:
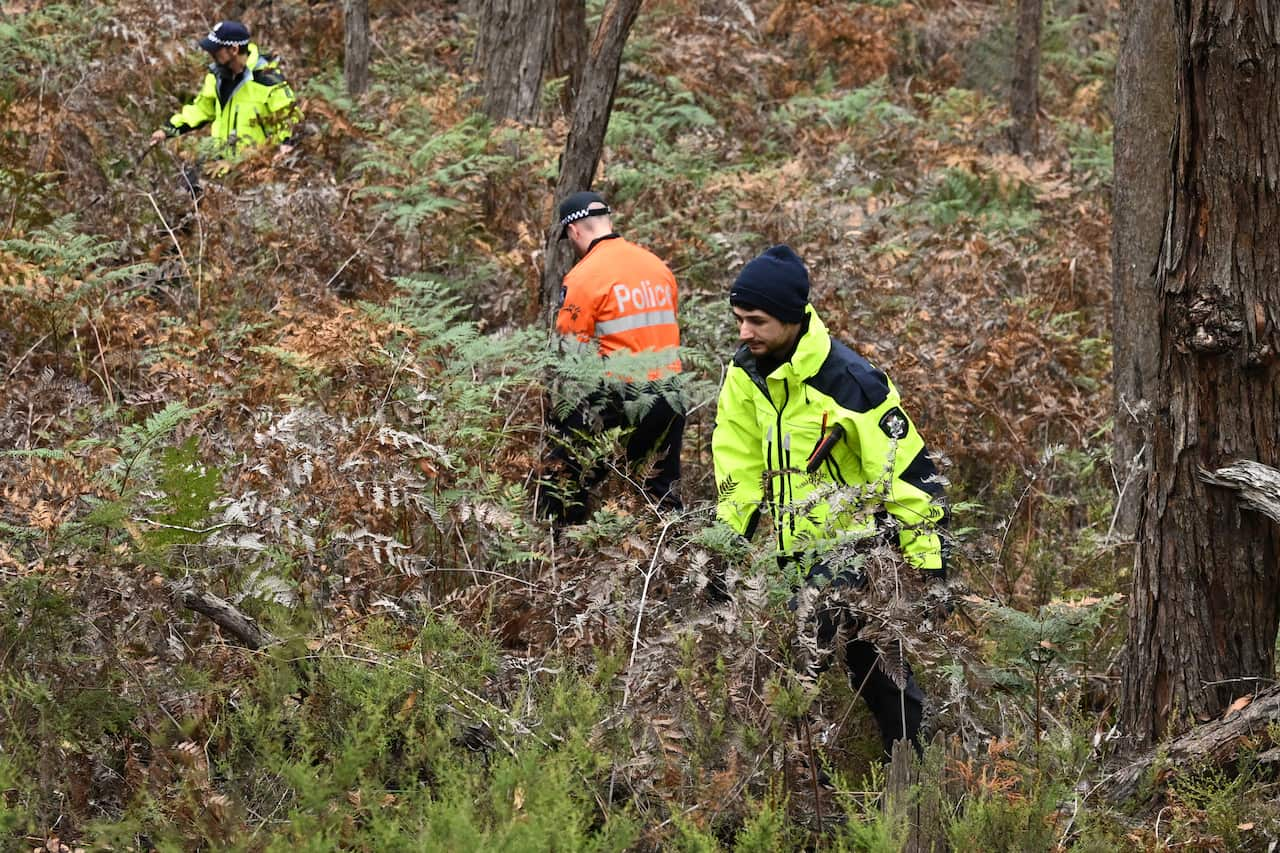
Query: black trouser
[655, 434]
[898, 711]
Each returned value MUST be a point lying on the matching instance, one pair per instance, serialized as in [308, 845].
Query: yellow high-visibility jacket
[261, 105]
[767, 427]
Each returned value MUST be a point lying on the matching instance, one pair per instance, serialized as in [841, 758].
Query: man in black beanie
[811, 435]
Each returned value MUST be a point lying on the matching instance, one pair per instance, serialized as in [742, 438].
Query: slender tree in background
[512, 49]
[1143, 126]
[1025, 91]
[1206, 584]
[355, 58]
[582, 152]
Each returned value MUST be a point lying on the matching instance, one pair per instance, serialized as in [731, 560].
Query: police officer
[618, 298]
[800, 419]
[244, 97]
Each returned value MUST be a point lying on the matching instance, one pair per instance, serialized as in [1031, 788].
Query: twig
[367, 238]
[644, 595]
[182, 258]
[102, 359]
[23, 358]
[813, 771]
[197, 530]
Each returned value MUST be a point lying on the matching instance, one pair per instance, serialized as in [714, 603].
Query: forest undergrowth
[317, 390]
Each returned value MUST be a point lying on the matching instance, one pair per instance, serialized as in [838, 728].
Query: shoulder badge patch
[894, 424]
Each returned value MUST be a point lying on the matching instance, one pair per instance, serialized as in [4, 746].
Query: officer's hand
[158, 137]
[285, 150]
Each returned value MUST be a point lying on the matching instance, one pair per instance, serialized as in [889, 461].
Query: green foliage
[45, 47]
[958, 115]
[415, 427]
[868, 110]
[136, 444]
[1074, 53]
[869, 827]
[35, 620]
[667, 133]
[371, 751]
[1091, 153]
[994, 203]
[56, 38]
[1216, 798]
[14, 819]
[768, 829]
[62, 280]
[654, 113]
[428, 171]
[1007, 823]
[187, 489]
[1040, 654]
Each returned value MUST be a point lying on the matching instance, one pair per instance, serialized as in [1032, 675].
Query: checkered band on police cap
[226, 34]
[578, 206]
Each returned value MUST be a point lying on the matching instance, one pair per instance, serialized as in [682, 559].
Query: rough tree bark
[355, 60]
[586, 135]
[1206, 583]
[512, 49]
[1025, 91]
[1143, 125]
[1217, 743]
[221, 613]
[569, 43]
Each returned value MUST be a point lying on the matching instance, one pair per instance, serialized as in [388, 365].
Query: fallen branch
[1217, 742]
[1258, 485]
[221, 613]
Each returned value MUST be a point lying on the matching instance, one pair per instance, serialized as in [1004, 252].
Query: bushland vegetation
[316, 394]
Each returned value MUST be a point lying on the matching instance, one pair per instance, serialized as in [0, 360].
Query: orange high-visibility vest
[623, 297]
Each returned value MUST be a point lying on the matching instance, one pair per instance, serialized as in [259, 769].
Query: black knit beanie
[776, 283]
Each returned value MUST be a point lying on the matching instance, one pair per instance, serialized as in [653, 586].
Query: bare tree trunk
[1143, 126]
[1203, 609]
[355, 62]
[1025, 94]
[586, 135]
[569, 43]
[511, 50]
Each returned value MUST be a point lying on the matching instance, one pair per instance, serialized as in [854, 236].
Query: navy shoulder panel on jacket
[850, 380]
[268, 77]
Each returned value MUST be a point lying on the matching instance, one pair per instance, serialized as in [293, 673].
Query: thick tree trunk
[512, 49]
[586, 135]
[355, 62]
[1025, 92]
[1143, 126]
[1203, 613]
[569, 43]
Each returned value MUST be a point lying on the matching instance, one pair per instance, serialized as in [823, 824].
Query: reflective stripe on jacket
[261, 107]
[766, 428]
[622, 297]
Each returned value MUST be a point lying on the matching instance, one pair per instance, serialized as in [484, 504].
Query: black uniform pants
[655, 433]
[898, 711]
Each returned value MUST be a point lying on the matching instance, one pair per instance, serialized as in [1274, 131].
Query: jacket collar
[252, 60]
[612, 235]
